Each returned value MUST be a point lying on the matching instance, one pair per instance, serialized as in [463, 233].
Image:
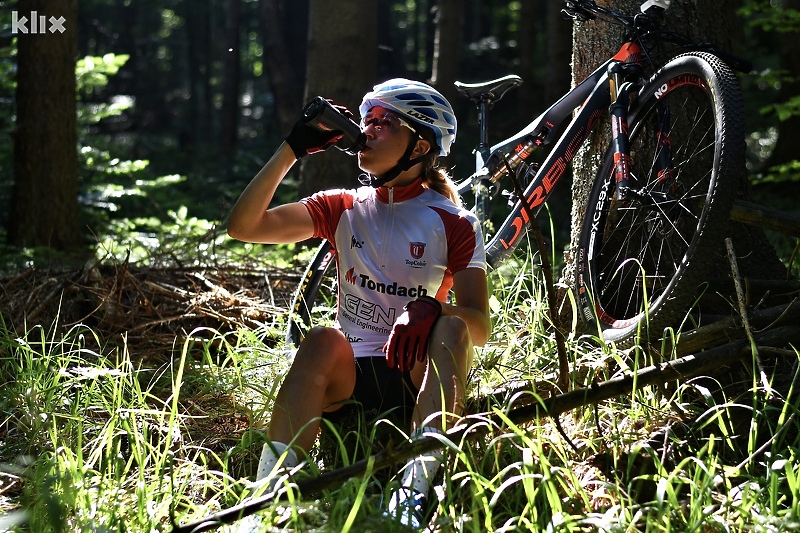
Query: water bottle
[322, 115]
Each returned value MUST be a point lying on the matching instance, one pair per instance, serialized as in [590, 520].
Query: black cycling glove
[305, 138]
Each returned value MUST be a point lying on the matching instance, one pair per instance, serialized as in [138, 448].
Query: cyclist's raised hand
[305, 139]
[408, 341]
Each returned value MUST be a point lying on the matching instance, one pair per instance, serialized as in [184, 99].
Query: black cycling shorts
[380, 392]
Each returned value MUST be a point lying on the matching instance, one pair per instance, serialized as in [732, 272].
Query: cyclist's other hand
[408, 341]
[305, 139]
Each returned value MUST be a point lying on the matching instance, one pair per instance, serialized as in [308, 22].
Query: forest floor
[147, 306]
[150, 313]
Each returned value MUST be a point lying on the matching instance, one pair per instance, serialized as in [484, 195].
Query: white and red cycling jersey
[392, 245]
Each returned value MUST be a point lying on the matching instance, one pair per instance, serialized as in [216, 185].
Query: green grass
[92, 440]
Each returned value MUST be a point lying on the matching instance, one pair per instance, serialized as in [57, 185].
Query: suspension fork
[663, 167]
[620, 141]
[620, 97]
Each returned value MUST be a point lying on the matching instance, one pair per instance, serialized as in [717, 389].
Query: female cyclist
[402, 243]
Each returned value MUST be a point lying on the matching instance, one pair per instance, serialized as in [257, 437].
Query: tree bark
[230, 83]
[342, 66]
[447, 44]
[44, 206]
[283, 75]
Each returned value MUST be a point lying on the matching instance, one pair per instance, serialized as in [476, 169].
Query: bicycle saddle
[488, 91]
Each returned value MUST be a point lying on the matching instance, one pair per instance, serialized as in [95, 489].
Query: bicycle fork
[620, 98]
[620, 103]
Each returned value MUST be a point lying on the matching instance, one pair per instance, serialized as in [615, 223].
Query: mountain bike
[658, 203]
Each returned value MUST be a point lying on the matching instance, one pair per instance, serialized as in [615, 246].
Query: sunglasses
[391, 122]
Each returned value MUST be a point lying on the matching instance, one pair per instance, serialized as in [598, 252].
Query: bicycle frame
[592, 97]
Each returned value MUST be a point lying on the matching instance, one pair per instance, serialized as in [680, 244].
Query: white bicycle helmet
[418, 102]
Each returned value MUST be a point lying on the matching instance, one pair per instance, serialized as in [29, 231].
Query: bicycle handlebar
[588, 9]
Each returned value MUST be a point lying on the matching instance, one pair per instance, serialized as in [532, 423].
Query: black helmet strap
[404, 163]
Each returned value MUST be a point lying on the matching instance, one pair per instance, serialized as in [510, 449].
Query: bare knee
[321, 334]
[322, 347]
[325, 362]
[451, 335]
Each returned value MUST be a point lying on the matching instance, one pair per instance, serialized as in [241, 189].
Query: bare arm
[252, 220]
[472, 303]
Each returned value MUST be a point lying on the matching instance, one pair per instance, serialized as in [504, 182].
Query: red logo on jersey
[417, 249]
[350, 275]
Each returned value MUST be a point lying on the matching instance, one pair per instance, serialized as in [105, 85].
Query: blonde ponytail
[435, 177]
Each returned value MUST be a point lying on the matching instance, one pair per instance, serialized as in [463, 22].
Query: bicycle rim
[314, 301]
[641, 259]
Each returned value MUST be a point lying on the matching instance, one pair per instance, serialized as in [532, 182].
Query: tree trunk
[283, 75]
[593, 43]
[559, 51]
[207, 54]
[342, 66]
[44, 206]
[230, 82]
[447, 44]
[196, 125]
[531, 93]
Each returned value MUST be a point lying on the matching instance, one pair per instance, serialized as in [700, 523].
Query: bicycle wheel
[314, 301]
[640, 260]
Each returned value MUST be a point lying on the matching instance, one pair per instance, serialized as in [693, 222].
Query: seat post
[485, 95]
[481, 188]
[483, 131]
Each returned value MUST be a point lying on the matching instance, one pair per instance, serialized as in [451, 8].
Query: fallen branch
[757, 287]
[765, 218]
[731, 328]
[479, 425]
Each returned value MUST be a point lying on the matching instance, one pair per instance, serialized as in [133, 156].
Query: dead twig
[552, 301]
[740, 298]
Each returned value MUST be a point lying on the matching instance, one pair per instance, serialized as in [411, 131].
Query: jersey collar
[401, 193]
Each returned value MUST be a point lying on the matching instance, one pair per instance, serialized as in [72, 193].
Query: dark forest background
[177, 103]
